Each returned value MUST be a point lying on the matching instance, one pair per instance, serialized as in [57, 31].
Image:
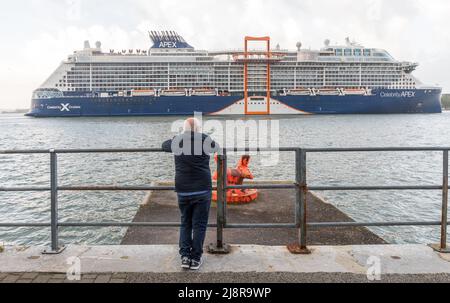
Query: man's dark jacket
[192, 156]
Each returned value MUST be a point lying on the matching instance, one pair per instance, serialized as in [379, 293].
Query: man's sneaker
[195, 265]
[185, 262]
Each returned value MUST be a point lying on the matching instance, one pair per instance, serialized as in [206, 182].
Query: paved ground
[192, 277]
[272, 206]
[247, 263]
[285, 278]
[62, 278]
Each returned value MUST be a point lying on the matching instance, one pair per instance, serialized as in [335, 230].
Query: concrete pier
[272, 206]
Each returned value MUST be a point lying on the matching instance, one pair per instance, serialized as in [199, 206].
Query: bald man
[193, 185]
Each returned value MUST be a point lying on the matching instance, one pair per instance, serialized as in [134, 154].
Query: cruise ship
[173, 78]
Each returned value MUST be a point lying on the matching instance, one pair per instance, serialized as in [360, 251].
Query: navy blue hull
[382, 101]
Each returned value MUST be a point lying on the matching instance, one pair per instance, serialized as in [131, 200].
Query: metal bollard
[300, 204]
[219, 247]
[54, 248]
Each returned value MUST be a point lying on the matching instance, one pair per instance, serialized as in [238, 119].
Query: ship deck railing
[300, 185]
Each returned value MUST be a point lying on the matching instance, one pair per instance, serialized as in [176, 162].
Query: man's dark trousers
[194, 222]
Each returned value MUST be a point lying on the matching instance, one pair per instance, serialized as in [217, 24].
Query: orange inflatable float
[236, 176]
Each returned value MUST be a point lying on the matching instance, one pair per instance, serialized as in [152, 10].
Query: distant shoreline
[446, 101]
[15, 111]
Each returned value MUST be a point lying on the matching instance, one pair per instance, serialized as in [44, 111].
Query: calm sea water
[19, 132]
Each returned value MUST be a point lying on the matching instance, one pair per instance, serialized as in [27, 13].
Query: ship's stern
[432, 99]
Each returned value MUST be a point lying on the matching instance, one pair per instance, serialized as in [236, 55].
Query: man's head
[192, 125]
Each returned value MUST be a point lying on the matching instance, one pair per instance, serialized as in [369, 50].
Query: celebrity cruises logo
[63, 107]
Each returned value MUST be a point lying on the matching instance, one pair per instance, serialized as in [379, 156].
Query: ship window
[358, 52]
[367, 52]
[338, 52]
[347, 52]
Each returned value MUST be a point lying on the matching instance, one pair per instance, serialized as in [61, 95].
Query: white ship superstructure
[349, 66]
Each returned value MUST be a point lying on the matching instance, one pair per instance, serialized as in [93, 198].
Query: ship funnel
[168, 40]
[98, 45]
[299, 46]
[87, 45]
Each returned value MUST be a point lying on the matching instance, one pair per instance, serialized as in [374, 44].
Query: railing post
[224, 190]
[300, 203]
[444, 203]
[54, 248]
[442, 246]
[219, 247]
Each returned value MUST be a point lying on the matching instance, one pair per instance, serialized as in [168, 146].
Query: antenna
[154, 35]
[347, 41]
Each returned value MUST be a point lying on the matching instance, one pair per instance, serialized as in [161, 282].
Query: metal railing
[299, 185]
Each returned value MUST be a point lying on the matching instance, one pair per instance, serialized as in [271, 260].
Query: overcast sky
[36, 35]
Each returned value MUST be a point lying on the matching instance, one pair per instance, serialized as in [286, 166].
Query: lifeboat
[328, 92]
[299, 92]
[204, 92]
[143, 92]
[174, 92]
[354, 92]
[237, 176]
[224, 93]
